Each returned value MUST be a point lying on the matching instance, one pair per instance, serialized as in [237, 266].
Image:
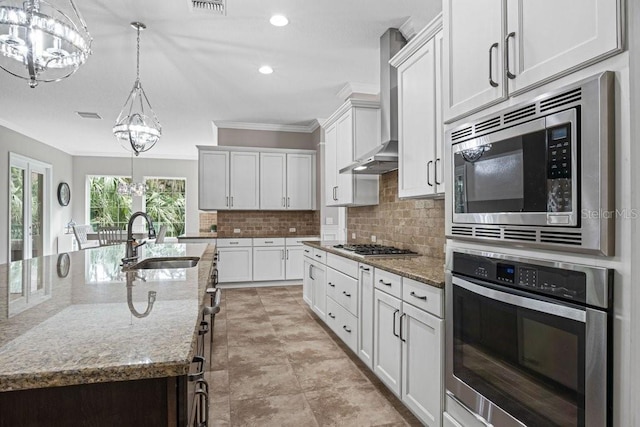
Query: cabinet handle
[491, 82]
[287, 253]
[268, 241]
[413, 294]
[318, 256]
[506, 41]
[231, 201]
[384, 283]
[394, 323]
[310, 271]
[234, 243]
[288, 202]
[403, 340]
[307, 251]
[429, 173]
[346, 329]
[364, 268]
[331, 284]
[436, 172]
[346, 294]
[282, 251]
[331, 315]
[227, 202]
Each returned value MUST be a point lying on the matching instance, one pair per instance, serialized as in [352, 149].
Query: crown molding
[348, 104]
[419, 40]
[408, 29]
[351, 88]
[309, 128]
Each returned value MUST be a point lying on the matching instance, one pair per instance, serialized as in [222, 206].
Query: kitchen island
[84, 343]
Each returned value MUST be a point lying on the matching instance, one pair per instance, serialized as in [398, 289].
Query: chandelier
[137, 127]
[40, 42]
[132, 188]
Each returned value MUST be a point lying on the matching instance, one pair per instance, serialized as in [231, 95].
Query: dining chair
[161, 233]
[81, 232]
[109, 235]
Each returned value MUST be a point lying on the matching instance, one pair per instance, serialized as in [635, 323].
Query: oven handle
[519, 301]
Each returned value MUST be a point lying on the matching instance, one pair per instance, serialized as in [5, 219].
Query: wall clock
[63, 265]
[64, 194]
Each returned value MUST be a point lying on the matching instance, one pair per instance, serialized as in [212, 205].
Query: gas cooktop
[376, 251]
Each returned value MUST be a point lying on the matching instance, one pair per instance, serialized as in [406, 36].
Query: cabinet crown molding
[350, 103]
[418, 41]
[232, 149]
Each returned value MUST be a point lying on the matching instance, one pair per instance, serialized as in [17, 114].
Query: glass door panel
[36, 226]
[17, 213]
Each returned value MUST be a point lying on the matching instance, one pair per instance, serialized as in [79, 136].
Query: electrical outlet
[236, 230]
[329, 220]
[292, 230]
[373, 239]
[353, 235]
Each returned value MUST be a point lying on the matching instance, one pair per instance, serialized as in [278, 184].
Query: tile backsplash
[207, 219]
[268, 223]
[415, 224]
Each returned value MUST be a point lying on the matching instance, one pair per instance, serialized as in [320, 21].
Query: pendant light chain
[138, 56]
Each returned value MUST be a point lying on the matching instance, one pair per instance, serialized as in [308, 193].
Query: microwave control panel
[559, 169]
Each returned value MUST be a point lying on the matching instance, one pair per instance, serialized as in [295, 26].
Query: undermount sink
[165, 262]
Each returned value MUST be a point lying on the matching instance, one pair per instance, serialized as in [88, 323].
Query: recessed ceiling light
[265, 69]
[279, 20]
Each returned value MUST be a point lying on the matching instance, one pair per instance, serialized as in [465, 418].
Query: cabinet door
[273, 185]
[330, 167]
[319, 290]
[244, 180]
[307, 281]
[551, 38]
[235, 264]
[301, 184]
[344, 158]
[418, 128]
[422, 348]
[386, 340]
[439, 145]
[213, 185]
[474, 30]
[365, 315]
[268, 263]
[293, 263]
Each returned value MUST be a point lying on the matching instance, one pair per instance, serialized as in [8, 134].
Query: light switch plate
[236, 230]
[373, 239]
[329, 220]
[292, 230]
[353, 235]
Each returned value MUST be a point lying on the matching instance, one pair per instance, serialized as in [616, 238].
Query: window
[106, 206]
[166, 204]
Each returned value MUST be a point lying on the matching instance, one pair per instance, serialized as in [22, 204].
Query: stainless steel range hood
[384, 158]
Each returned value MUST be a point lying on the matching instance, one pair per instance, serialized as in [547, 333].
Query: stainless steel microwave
[539, 173]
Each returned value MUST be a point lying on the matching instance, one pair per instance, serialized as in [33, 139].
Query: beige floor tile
[220, 413]
[263, 336]
[218, 385]
[247, 324]
[245, 309]
[262, 381]
[290, 319]
[352, 406]
[256, 355]
[312, 351]
[328, 373]
[273, 290]
[219, 360]
[283, 309]
[301, 332]
[274, 411]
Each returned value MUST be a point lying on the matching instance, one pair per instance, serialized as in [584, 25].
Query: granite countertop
[421, 268]
[199, 235]
[88, 324]
[209, 235]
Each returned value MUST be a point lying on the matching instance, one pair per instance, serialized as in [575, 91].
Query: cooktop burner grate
[376, 250]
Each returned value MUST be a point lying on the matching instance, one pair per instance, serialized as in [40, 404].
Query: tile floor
[276, 364]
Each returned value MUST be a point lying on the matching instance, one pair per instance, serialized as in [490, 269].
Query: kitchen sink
[165, 262]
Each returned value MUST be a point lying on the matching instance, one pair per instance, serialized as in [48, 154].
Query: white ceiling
[199, 68]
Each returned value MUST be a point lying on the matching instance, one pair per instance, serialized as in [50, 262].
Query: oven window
[530, 364]
[506, 176]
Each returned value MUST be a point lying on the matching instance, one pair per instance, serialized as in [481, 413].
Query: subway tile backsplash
[412, 224]
[267, 223]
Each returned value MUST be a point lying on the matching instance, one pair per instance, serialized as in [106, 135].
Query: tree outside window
[165, 202]
[106, 206]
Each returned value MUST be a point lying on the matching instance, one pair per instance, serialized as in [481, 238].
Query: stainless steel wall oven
[528, 342]
[539, 173]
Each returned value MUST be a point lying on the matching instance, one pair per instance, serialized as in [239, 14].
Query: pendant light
[133, 188]
[137, 127]
[40, 42]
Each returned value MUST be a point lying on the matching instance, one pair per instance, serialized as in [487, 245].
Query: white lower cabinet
[268, 263]
[293, 263]
[307, 281]
[365, 315]
[343, 323]
[235, 264]
[387, 348]
[319, 289]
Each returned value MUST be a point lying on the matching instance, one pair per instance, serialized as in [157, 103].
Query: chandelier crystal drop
[40, 42]
[137, 127]
[132, 188]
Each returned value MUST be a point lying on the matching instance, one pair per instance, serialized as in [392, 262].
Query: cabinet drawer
[229, 243]
[343, 289]
[308, 251]
[343, 323]
[343, 265]
[388, 282]
[277, 241]
[297, 241]
[423, 296]
[320, 255]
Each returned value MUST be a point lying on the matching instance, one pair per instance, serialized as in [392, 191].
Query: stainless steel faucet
[131, 253]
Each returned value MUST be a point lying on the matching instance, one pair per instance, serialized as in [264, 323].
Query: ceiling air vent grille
[522, 235]
[561, 237]
[216, 7]
[462, 133]
[462, 231]
[488, 124]
[560, 100]
[89, 115]
[493, 233]
[520, 114]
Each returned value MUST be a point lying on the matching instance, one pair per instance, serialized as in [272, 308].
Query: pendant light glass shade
[40, 42]
[137, 127]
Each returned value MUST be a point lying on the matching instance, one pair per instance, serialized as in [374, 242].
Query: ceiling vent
[88, 115]
[216, 7]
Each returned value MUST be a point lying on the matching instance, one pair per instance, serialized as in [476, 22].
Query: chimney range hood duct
[384, 158]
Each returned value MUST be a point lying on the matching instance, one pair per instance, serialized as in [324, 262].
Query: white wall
[84, 166]
[61, 163]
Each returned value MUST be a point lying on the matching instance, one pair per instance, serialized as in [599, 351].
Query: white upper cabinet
[420, 129]
[538, 40]
[301, 181]
[213, 189]
[330, 165]
[273, 181]
[244, 181]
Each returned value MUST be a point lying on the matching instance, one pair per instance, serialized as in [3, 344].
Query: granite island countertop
[86, 323]
[424, 269]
